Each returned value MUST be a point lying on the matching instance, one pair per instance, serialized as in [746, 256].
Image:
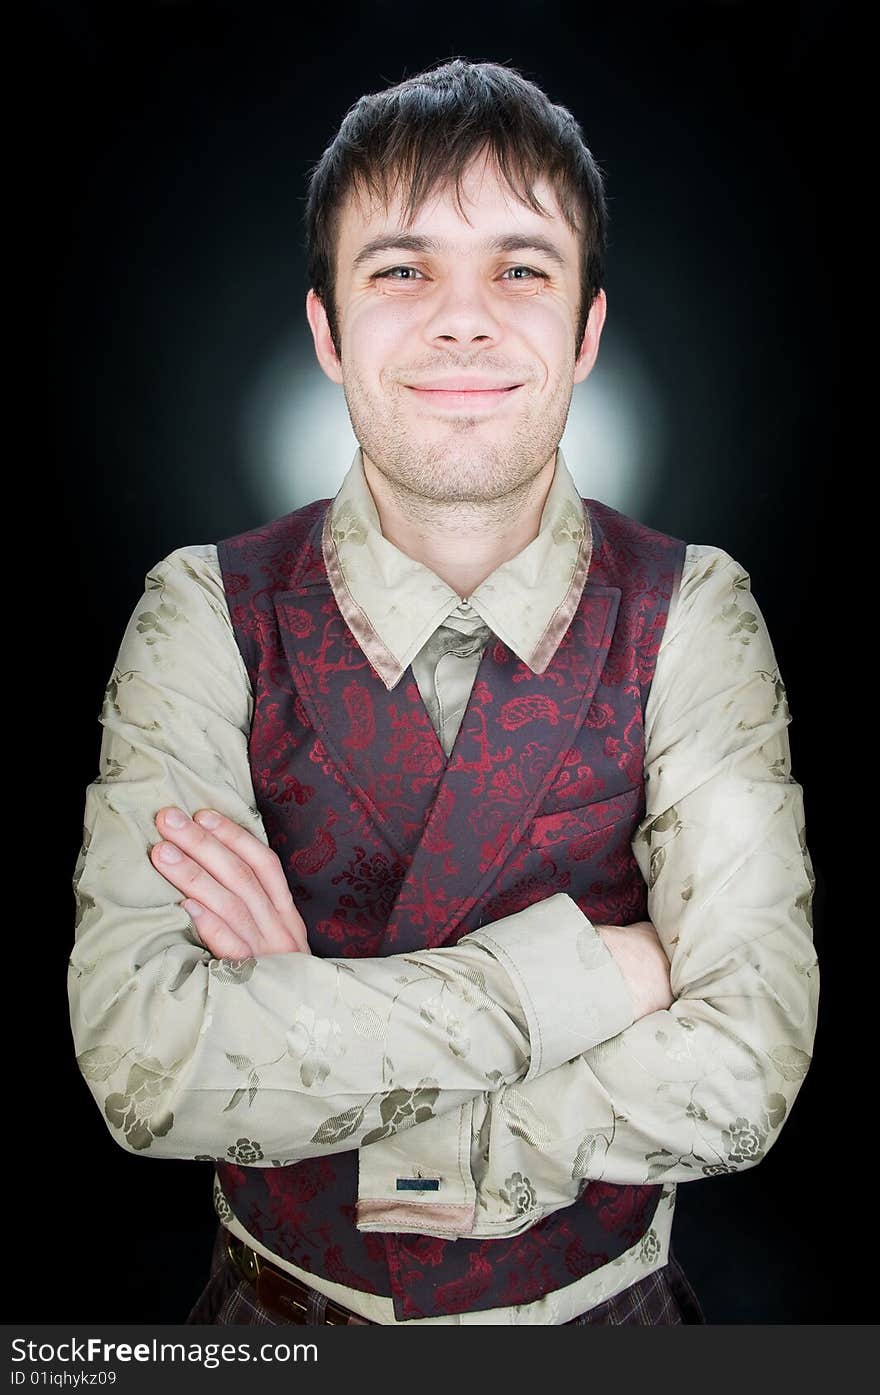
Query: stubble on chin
[456, 482]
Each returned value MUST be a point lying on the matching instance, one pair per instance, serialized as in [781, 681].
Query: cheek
[375, 332]
[544, 324]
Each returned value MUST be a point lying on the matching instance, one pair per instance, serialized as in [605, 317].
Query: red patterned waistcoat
[389, 847]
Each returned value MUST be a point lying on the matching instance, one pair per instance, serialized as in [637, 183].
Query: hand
[244, 906]
[642, 961]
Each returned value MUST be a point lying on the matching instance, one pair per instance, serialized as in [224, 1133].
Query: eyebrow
[411, 242]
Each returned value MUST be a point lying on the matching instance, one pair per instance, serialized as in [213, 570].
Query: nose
[461, 311]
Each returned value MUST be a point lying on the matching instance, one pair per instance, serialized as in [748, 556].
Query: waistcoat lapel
[381, 744]
[515, 733]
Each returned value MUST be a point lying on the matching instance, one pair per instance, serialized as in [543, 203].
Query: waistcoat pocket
[547, 830]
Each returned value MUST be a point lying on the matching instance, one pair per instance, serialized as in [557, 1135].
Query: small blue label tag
[418, 1184]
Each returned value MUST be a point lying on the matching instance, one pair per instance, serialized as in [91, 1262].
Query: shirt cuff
[420, 1179]
[454, 1177]
[572, 991]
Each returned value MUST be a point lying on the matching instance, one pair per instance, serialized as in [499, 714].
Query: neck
[462, 542]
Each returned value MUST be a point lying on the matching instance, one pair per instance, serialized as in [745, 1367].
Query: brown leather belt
[285, 1296]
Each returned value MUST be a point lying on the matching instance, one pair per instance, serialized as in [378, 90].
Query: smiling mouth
[477, 403]
[465, 397]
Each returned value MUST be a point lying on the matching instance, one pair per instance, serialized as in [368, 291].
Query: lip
[467, 383]
[468, 399]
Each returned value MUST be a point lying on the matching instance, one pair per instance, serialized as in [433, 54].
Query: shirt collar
[393, 604]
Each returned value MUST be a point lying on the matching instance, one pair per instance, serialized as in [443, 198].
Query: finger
[263, 859]
[190, 877]
[215, 934]
[233, 876]
[266, 864]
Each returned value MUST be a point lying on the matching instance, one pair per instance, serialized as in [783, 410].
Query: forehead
[459, 223]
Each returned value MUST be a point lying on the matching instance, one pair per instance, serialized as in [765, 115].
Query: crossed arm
[245, 908]
[188, 1053]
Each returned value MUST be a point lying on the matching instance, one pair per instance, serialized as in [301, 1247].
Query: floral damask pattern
[142, 1111]
[519, 1193]
[245, 1152]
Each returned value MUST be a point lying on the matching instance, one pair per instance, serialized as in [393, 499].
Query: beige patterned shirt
[518, 1043]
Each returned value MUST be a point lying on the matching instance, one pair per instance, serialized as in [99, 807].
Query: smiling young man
[479, 916]
[458, 364]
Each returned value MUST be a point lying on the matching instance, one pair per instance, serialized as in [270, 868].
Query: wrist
[641, 959]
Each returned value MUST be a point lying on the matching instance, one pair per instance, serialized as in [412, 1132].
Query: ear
[326, 354]
[592, 334]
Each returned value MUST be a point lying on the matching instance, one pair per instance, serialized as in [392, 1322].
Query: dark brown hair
[422, 133]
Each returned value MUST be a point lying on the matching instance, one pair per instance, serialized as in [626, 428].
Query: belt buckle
[245, 1260]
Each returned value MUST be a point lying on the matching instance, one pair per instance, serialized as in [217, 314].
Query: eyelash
[386, 275]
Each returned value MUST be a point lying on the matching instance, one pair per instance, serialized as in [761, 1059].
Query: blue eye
[377, 276]
[530, 269]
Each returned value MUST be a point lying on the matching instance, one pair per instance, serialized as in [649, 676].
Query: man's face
[450, 311]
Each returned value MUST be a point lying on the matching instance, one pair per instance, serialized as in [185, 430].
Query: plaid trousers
[663, 1298]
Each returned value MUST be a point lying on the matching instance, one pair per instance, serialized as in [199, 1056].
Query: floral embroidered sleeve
[704, 1087]
[285, 1056]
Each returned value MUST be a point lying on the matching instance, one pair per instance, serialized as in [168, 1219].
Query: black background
[169, 147]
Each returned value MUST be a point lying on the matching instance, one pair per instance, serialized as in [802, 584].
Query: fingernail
[169, 853]
[175, 819]
[208, 819]
[193, 908]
